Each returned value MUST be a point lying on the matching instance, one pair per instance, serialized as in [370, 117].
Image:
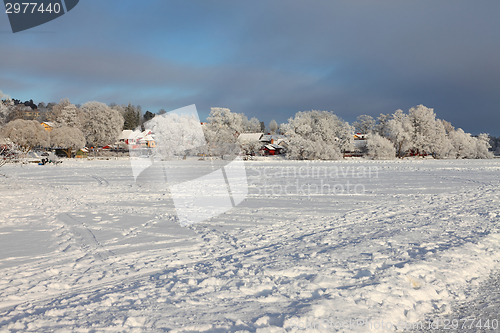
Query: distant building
[136, 139]
[30, 113]
[360, 148]
[248, 137]
[48, 126]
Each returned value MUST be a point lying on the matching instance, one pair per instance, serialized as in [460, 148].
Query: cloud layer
[268, 59]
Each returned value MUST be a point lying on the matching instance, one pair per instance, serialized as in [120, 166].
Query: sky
[266, 59]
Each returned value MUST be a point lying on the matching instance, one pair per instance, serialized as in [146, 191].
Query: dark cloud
[268, 59]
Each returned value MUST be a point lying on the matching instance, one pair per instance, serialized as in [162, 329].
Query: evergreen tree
[148, 116]
[131, 117]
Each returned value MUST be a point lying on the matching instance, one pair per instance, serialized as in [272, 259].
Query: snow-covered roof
[273, 146]
[269, 137]
[360, 136]
[147, 138]
[250, 137]
[125, 135]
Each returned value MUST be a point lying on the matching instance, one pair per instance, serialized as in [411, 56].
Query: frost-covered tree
[102, 124]
[27, 134]
[428, 134]
[441, 145]
[5, 102]
[251, 126]
[380, 148]
[482, 146]
[69, 117]
[56, 110]
[233, 122]
[399, 132]
[495, 145]
[462, 144]
[273, 126]
[67, 138]
[221, 131]
[175, 135]
[448, 127]
[224, 118]
[317, 135]
[4, 113]
[364, 124]
[15, 112]
[418, 132]
[382, 126]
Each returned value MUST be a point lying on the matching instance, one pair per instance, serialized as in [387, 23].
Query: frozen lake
[85, 247]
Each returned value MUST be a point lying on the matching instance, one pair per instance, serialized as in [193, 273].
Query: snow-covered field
[83, 247]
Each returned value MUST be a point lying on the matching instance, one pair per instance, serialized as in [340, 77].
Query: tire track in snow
[85, 238]
[101, 181]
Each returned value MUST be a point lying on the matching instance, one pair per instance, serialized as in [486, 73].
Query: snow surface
[83, 247]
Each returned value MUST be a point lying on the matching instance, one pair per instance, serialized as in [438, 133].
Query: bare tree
[5, 156]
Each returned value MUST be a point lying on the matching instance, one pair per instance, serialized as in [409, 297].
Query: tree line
[309, 135]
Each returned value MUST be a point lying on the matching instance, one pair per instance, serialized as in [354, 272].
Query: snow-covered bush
[317, 135]
[250, 147]
[380, 148]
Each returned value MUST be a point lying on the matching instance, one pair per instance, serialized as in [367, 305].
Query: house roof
[273, 146]
[269, 137]
[125, 135]
[147, 138]
[360, 136]
[250, 136]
